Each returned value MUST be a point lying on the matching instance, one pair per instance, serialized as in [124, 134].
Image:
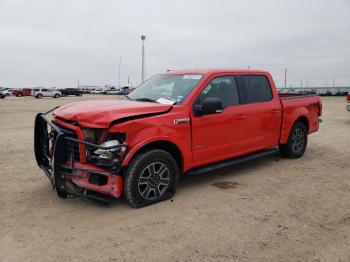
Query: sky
[56, 43]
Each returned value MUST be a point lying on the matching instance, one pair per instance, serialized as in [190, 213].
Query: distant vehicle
[45, 92]
[119, 91]
[111, 91]
[2, 96]
[344, 92]
[6, 92]
[321, 92]
[123, 90]
[329, 92]
[22, 92]
[348, 102]
[71, 92]
[98, 91]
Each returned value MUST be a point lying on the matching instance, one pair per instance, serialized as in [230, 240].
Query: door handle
[275, 111]
[241, 117]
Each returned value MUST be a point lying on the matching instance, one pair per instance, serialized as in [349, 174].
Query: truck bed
[295, 95]
[307, 107]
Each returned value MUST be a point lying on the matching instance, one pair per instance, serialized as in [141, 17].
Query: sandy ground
[274, 209]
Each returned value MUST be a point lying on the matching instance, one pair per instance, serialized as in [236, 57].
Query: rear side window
[256, 88]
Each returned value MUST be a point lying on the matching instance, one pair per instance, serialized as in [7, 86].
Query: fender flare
[286, 130]
[136, 148]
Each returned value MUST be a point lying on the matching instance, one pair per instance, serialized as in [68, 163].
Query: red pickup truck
[189, 121]
[22, 92]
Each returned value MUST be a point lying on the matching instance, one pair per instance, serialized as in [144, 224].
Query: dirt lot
[272, 209]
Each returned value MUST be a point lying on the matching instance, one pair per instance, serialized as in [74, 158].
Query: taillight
[348, 98]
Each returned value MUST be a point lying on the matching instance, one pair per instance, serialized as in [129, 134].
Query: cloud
[57, 43]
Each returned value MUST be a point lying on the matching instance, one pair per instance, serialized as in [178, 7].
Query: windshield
[166, 89]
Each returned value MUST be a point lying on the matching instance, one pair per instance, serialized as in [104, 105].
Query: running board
[232, 162]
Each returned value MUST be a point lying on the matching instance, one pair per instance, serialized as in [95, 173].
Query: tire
[297, 141]
[56, 96]
[19, 95]
[151, 177]
[39, 96]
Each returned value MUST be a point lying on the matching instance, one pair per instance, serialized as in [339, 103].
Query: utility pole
[78, 84]
[120, 61]
[143, 38]
[301, 83]
[128, 80]
[285, 78]
[333, 81]
[307, 83]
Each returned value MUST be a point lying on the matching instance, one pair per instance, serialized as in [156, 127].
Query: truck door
[262, 112]
[214, 135]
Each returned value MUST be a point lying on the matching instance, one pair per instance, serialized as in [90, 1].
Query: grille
[72, 148]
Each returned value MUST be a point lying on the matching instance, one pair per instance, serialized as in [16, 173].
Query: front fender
[146, 142]
[141, 132]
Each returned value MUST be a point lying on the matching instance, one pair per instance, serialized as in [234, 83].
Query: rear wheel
[56, 96]
[151, 177]
[297, 142]
[19, 95]
[39, 96]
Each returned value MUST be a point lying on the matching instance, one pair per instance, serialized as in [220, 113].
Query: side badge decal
[181, 121]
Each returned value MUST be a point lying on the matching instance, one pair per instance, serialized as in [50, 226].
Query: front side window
[224, 88]
[166, 89]
[256, 89]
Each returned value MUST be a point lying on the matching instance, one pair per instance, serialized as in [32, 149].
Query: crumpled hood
[100, 113]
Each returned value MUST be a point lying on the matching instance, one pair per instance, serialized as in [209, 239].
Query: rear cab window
[254, 89]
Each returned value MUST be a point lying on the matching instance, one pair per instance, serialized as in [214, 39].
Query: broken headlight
[109, 150]
[109, 153]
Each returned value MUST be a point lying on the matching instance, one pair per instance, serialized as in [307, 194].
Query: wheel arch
[304, 120]
[165, 145]
[285, 132]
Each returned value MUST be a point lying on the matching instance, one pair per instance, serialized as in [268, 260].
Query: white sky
[57, 43]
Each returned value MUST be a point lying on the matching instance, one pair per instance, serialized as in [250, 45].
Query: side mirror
[211, 105]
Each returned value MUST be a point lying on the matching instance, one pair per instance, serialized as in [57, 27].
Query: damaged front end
[76, 164]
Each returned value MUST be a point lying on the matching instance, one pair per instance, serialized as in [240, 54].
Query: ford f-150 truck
[179, 122]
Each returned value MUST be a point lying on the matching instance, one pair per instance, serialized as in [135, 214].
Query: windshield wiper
[145, 99]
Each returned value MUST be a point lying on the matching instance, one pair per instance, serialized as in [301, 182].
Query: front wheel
[56, 95]
[151, 177]
[297, 142]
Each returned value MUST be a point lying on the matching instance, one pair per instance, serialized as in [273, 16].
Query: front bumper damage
[60, 152]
